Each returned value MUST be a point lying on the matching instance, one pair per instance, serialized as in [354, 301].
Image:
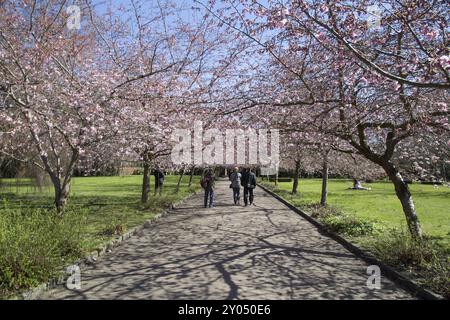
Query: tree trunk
[191, 177]
[179, 181]
[404, 195]
[145, 183]
[323, 198]
[296, 176]
[62, 190]
[61, 196]
[62, 185]
[276, 178]
[444, 172]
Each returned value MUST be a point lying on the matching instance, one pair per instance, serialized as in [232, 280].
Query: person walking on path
[248, 181]
[208, 183]
[159, 180]
[235, 179]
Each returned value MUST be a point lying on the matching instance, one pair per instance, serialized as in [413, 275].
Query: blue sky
[148, 5]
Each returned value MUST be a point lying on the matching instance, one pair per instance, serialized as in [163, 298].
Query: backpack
[204, 183]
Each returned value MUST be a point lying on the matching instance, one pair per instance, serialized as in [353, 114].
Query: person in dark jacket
[159, 180]
[248, 181]
[208, 183]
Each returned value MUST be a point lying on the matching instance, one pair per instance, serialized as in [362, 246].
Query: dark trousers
[158, 187]
[248, 195]
[209, 195]
[236, 194]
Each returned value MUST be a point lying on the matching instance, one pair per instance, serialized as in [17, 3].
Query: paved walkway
[265, 251]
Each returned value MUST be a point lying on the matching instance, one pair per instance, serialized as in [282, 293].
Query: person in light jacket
[235, 179]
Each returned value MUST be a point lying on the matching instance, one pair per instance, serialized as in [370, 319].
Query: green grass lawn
[108, 200]
[380, 203]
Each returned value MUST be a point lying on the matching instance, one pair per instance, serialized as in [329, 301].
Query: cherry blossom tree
[377, 89]
[404, 41]
[120, 78]
[52, 90]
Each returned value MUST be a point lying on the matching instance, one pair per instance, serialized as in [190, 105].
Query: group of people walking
[246, 179]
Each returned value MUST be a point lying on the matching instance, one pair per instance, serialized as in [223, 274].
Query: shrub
[424, 258]
[115, 227]
[35, 245]
[349, 224]
[399, 249]
[280, 179]
[343, 223]
[318, 211]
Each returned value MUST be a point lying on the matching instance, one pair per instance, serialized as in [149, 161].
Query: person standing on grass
[235, 179]
[208, 183]
[159, 180]
[248, 181]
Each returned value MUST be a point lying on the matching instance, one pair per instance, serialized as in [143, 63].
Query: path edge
[102, 250]
[403, 281]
